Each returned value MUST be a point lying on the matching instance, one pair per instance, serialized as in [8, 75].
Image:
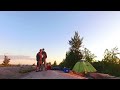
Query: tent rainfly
[83, 66]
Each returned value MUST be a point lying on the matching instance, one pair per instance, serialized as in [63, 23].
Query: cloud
[17, 57]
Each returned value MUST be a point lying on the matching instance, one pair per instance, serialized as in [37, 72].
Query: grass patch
[26, 69]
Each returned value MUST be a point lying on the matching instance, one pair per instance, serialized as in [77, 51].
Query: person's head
[43, 49]
[40, 50]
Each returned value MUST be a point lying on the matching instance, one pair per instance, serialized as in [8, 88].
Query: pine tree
[74, 54]
[55, 63]
[6, 61]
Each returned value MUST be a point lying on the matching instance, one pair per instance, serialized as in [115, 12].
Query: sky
[23, 33]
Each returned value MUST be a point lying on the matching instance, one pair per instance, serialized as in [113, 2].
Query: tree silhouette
[75, 42]
[74, 54]
[55, 63]
[111, 56]
[6, 61]
[88, 56]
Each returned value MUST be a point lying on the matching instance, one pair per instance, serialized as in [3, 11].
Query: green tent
[83, 66]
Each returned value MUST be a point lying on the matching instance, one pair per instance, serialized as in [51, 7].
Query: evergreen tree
[6, 61]
[55, 63]
[74, 54]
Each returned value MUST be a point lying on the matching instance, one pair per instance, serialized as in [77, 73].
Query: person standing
[44, 58]
[39, 60]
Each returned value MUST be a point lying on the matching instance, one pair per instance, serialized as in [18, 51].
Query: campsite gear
[66, 70]
[48, 67]
[56, 68]
[83, 66]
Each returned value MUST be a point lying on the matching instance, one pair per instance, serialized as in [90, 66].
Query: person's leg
[40, 68]
[42, 63]
[37, 66]
[45, 64]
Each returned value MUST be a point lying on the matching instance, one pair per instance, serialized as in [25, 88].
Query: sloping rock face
[101, 76]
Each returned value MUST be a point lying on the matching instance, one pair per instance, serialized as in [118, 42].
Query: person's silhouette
[39, 61]
[44, 58]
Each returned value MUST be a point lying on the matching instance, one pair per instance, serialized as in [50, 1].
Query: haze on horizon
[25, 32]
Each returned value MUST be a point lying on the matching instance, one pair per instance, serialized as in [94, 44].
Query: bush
[107, 68]
[6, 61]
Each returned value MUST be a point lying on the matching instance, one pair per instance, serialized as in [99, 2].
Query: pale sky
[25, 32]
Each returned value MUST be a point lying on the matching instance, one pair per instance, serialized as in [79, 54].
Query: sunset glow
[24, 33]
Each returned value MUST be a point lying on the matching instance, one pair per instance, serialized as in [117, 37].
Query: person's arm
[46, 54]
[37, 57]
